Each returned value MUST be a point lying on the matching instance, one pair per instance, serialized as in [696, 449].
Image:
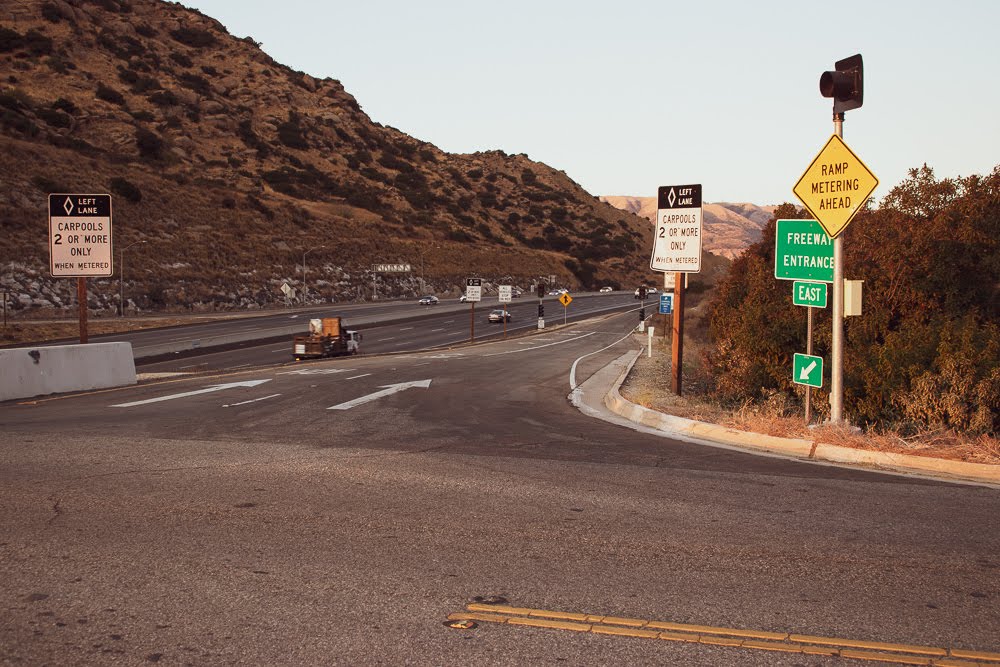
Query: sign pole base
[81, 297]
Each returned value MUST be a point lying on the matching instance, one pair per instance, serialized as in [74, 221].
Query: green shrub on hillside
[109, 94]
[194, 37]
[926, 350]
[127, 189]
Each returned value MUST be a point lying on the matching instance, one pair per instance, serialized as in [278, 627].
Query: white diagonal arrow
[806, 370]
[386, 391]
[214, 387]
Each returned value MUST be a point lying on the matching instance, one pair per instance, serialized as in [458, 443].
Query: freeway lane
[253, 524]
[400, 327]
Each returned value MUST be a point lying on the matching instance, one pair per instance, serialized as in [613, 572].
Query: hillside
[227, 166]
[729, 228]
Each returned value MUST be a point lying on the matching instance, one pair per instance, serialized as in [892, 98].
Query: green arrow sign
[809, 294]
[802, 251]
[807, 370]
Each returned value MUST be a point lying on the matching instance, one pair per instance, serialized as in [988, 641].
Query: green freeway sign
[809, 294]
[807, 370]
[802, 251]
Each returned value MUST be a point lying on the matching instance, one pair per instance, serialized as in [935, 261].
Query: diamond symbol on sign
[671, 198]
[68, 205]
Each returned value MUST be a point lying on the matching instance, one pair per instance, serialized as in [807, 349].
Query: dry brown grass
[648, 385]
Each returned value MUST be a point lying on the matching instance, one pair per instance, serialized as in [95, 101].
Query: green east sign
[807, 370]
[802, 251]
[812, 295]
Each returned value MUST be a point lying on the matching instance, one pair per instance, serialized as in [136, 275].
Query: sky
[629, 95]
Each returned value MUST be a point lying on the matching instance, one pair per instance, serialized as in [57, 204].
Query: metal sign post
[677, 249]
[565, 299]
[505, 293]
[473, 293]
[80, 242]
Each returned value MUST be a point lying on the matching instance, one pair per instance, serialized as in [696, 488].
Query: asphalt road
[386, 328]
[336, 512]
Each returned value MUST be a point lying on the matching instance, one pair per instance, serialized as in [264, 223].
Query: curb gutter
[793, 447]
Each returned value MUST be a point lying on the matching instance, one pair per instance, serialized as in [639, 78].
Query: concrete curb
[792, 447]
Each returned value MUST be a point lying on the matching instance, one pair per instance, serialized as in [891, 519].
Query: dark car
[429, 300]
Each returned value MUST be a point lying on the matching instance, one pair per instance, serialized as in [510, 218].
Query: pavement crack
[56, 509]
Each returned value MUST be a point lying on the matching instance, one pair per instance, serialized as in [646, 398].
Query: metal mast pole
[837, 353]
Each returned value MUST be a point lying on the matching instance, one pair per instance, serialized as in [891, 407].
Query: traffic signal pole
[837, 351]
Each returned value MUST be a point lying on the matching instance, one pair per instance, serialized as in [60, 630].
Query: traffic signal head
[541, 290]
[845, 84]
[642, 291]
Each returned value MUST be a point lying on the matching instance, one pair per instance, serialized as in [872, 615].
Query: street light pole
[121, 279]
[304, 253]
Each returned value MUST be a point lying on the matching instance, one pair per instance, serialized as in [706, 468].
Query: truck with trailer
[327, 338]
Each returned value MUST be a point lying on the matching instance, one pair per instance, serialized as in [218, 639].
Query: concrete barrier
[36, 371]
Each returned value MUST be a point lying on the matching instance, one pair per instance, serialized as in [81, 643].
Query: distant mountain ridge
[729, 228]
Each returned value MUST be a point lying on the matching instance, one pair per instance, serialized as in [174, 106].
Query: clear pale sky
[629, 95]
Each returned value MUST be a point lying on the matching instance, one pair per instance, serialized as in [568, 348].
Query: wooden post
[677, 354]
[81, 297]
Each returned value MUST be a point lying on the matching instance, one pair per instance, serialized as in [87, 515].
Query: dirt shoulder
[648, 384]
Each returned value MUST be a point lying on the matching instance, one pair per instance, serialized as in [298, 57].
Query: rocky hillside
[226, 167]
[729, 228]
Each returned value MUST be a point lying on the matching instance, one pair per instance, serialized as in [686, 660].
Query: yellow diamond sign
[565, 299]
[835, 186]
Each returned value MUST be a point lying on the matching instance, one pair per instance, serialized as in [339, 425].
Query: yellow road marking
[764, 640]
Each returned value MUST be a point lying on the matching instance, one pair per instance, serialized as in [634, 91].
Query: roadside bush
[164, 98]
[54, 118]
[127, 189]
[151, 146]
[51, 13]
[290, 133]
[194, 37]
[109, 94]
[62, 104]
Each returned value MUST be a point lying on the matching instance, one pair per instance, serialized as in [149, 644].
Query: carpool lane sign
[677, 231]
[80, 243]
[802, 251]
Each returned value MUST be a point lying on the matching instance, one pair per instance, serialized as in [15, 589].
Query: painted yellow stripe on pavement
[763, 640]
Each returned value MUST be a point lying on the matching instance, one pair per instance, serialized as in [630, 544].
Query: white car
[606, 289]
[498, 316]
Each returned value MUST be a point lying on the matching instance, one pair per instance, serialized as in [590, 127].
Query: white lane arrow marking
[804, 374]
[214, 387]
[386, 391]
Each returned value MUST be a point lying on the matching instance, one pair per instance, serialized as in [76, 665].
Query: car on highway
[650, 291]
[463, 299]
[606, 289]
[429, 300]
[497, 316]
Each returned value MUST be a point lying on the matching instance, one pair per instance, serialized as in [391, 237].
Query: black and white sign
[392, 268]
[474, 289]
[80, 242]
[677, 232]
[506, 293]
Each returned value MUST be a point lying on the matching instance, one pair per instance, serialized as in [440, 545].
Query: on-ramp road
[337, 512]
